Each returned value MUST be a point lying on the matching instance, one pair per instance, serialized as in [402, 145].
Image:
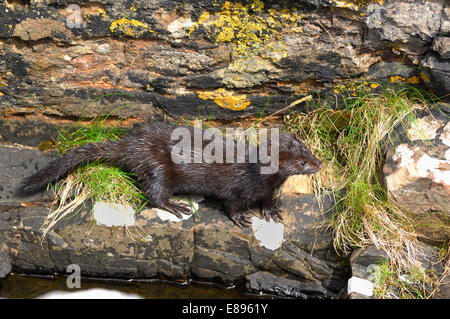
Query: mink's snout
[315, 166]
[319, 167]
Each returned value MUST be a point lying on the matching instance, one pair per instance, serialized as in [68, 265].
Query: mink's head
[295, 157]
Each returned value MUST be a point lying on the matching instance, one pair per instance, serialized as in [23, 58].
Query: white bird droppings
[405, 154]
[107, 214]
[359, 285]
[431, 167]
[270, 234]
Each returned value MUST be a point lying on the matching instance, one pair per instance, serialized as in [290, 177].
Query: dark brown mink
[147, 155]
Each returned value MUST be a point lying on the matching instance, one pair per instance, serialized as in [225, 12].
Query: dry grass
[349, 138]
[410, 283]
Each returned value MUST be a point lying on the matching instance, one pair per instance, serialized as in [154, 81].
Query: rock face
[367, 271]
[292, 258]
[143, 60]
[5, 263]
[363, 261]
[444, 289]
[417, 172]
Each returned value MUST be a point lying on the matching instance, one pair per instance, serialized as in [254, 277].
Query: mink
[147, 155]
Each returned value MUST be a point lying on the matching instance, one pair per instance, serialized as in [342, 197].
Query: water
[19, 286]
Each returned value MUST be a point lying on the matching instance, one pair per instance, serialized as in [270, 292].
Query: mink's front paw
[273, 213]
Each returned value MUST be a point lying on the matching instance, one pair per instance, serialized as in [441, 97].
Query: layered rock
[417, 172]
[146, 60]
[208, 58]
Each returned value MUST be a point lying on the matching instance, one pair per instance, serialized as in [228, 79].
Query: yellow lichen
[250, 30]
[203, 18]
[2, 82]
[355, 87]
[132, 28]
[101, 12]
[226, 99]
[93, 10]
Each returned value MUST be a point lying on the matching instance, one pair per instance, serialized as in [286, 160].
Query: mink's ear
[284, 140]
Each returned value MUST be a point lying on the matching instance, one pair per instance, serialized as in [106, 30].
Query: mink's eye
[303, 163]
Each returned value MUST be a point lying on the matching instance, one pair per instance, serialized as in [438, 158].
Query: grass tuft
[349, 138]
[94, 131]
[95, 181]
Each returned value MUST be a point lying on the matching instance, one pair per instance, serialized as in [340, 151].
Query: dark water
[18, 286]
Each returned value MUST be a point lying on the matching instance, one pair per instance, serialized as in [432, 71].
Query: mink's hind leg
[238, 218]
[177, 208]
[158, 193]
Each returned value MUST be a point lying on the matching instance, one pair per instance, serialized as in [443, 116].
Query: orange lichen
[400, 79]
[98, 84]
[397, 79]
[424, 77]
[226, 99]
[413, 80]
[12, 116]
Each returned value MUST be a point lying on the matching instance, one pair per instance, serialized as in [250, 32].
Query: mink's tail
[64, 164]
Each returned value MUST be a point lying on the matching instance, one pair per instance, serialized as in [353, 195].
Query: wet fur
[148, 155]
